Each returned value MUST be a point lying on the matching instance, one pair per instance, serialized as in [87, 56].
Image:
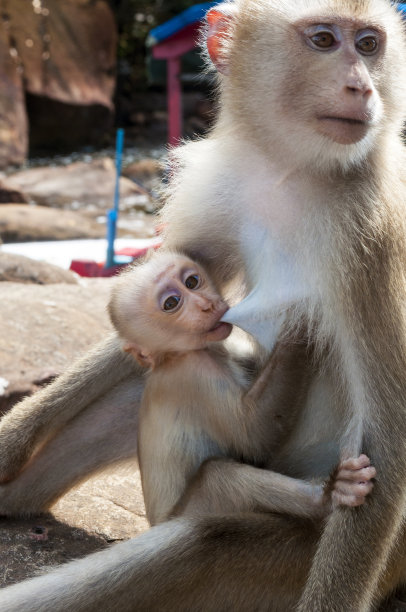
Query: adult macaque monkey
[197, 403]
[307, 148]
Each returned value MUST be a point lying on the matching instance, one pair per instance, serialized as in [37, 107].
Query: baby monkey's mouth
[219, 331]
[218, 324]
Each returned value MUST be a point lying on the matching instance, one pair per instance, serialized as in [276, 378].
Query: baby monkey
[200, 404]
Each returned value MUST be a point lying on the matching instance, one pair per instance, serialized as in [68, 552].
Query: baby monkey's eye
[171, 302]
[192, 281]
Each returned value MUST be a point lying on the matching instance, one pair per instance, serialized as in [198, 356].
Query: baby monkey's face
[188, 304]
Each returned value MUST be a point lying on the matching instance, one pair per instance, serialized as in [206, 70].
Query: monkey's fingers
[351, 494]
[355, 463]
[361, 475]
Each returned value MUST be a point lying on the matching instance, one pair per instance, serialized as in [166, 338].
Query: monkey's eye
[192, 281]
[321, 37]
[171, 303]
[367, 43]
[323, 40]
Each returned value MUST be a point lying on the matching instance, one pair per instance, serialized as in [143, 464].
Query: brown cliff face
[64, 50]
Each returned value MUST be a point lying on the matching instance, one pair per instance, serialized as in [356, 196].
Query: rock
[10, 195]
[20, 269]
[13, 118]
[78, 184]
[65, 51]
[21, 223]
[43, 328]
[63, 128]
[110, 504]
[103, 509]
[147, 171]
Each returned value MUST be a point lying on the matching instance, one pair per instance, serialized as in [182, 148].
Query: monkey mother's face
[187, 310]
[324, 82]
[339, 98]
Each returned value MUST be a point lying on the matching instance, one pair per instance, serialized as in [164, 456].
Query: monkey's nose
[359, 82]
[205, 304]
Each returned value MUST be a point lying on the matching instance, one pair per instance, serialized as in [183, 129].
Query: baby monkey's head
[167, 304]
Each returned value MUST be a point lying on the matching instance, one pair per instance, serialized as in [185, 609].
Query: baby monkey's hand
[351, 482]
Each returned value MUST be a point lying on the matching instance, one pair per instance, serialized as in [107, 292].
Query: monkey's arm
[225, 486]
[103, 434]
[216, 249]
[256, 422]
[280, 390]
[38, 417]
[373, 364]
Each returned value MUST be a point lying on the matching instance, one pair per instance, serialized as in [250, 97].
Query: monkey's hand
[350, 482]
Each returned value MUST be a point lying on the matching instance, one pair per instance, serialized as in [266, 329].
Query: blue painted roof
[169, 28]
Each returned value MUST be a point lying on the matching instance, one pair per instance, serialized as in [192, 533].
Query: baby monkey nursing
[199, 403]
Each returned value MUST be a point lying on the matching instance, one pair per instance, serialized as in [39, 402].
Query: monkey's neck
[171, 358]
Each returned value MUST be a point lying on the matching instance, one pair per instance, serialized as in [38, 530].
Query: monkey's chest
[279, 284]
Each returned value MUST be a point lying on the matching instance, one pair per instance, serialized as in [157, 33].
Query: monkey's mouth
[344, 130]
[220, 331]
[346, 120]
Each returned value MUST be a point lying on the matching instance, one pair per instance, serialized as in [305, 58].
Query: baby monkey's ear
[219, 20]
[143, 357]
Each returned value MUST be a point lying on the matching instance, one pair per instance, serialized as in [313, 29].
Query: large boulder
[78, 184]
[43, 328]
[22, 223]
[64, 50]
[11, 195]
[20, 269]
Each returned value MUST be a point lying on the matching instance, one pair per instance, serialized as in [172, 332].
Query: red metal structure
[172, 50]
[169, 42]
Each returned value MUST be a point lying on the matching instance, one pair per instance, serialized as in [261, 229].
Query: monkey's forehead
[361, 10]
[165, 271]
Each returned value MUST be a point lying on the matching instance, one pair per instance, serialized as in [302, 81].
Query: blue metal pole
[112, 214]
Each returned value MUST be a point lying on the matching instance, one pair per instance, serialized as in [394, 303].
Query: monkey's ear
[219, 20]
[144, 358]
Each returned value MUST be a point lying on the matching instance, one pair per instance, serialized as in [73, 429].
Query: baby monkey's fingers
[353, 482]
[351, 494]
[356, 469]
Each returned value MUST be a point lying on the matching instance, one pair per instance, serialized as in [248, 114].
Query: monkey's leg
[102, 435]
[41, 415]
[239, 563]
[394, 578]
